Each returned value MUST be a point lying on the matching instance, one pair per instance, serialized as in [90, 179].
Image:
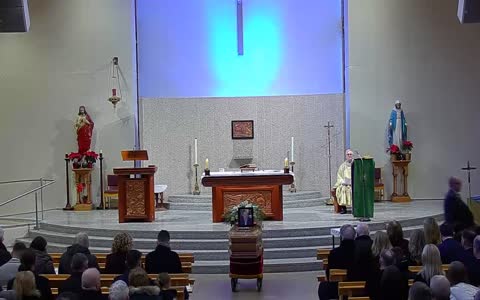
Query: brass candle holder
[292, 188]
[196, 188]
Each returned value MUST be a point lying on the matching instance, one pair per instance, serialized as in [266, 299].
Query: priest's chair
[336, 207]
[379, 187]
[111, 192]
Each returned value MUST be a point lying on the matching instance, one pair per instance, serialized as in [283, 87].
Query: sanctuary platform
[290, 245]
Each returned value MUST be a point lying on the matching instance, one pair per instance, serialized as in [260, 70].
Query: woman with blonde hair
[25, 287]
[431, 231]
[431, 264]
[116, 261]
[380, 242]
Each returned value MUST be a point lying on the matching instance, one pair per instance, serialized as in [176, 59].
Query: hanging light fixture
[116, 95]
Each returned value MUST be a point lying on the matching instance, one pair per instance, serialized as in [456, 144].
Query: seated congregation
[437, 262]
[29, 273]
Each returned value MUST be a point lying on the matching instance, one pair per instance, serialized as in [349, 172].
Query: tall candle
[206, 164]
[286, 162]
[196, 161]
[291, 159]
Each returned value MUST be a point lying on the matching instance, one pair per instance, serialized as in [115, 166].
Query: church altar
[264, 188]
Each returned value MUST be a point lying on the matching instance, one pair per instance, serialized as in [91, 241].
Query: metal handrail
[25, 180]
[35, 190]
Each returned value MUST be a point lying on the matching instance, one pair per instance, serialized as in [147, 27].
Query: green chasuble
[363, 174]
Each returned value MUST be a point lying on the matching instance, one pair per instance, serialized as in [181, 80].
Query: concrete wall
[170, 126]
[46, 74]
[416, 51]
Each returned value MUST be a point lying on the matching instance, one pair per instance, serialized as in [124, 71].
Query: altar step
[204, 202]
[286, 250]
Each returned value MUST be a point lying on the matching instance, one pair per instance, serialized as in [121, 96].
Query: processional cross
[329, 126]
[239, 27]
[469, 168]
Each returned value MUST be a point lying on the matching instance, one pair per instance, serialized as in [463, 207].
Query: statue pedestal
[400, 167]
[83, 177]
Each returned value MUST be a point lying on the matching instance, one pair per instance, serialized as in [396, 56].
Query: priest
[343, 186]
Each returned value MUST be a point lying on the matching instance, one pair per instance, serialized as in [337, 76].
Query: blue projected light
[255, 71]
[189, 48]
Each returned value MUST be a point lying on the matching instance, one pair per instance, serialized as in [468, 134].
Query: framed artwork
[242, 129]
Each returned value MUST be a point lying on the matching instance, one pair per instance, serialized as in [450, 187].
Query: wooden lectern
[135, 189]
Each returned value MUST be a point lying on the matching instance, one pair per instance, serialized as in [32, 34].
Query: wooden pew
[186, 267]
[102, 257]
[322, 253]
[416, 269]
[325, 263]
[107, 279]
[186, 259]
[105, 291]
[351, 288]
[337, 275]
[322, 278]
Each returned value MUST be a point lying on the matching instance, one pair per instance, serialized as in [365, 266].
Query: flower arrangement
[407, 146]
[86, 160]
[231, 216]
[394, 149]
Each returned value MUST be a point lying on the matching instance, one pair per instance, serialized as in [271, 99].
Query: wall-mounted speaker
[468, 11]
[14, 16]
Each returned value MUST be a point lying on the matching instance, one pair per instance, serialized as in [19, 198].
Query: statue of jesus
[84, 128]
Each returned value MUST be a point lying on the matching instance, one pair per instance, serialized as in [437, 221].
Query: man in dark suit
[4, 254]
[80, 245]
[163, 259]
[362, 254]
[74, 282]
[245, 218]
[456, 211]
[467, 240]
[341, 257]
[450, 249]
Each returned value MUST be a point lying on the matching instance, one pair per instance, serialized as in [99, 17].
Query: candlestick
[291, 158]
[292, 188]
[67, 162]
[206, 164]
[196, 152]
[101, 151]
[196, 188]
[102, 205]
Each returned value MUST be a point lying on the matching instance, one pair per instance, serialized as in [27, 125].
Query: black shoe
[343, 211]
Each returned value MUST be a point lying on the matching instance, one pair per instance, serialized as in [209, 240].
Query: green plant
[231, 216]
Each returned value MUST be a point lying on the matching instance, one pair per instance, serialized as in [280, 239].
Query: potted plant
[231, 216]
[90, 158]
[394, 152]
[407, 147]
[76, 159]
